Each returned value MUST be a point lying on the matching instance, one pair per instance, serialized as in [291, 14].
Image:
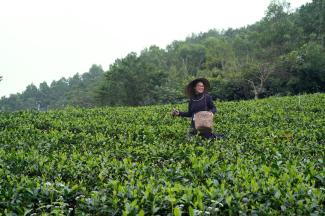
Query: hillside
[137, 160]
[281, 54]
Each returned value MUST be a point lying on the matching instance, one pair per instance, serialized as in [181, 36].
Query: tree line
[78, 90]
[282, 54]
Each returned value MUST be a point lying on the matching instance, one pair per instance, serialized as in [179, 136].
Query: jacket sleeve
[210, 104]
[188, 113]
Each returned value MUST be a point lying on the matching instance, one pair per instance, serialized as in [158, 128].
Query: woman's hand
[175, 112]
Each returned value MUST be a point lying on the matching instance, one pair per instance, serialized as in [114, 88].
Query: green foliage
[307, 68]
[138, 161]
[244, 63]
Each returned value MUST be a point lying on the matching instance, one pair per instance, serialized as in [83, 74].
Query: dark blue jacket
[200, 102]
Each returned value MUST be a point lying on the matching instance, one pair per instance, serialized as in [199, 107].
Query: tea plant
[139, 161]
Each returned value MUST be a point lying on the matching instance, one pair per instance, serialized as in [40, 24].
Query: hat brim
[192, 84]
[205, 82]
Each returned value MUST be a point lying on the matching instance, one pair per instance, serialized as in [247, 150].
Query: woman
[199, 100]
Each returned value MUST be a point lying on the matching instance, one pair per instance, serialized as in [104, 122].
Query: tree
[135, 80]
[306, 68]
[219, 56]
[91, 81]
[44, 96]
[59, 91]
[120, 85]
[30, 97]
[192, 56]
[312, 20]
[259, 78]
[277, 33]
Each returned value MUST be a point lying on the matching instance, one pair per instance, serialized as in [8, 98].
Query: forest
[282, 54]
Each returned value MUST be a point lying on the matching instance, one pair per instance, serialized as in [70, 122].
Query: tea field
[139, 161]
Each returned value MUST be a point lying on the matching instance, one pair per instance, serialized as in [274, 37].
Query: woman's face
[199, 88]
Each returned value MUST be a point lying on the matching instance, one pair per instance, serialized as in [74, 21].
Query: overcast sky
[42, 40]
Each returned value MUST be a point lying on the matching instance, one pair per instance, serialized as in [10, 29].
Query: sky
[43, 40]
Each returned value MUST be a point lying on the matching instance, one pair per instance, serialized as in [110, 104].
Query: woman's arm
[210, 104]
[188, 113]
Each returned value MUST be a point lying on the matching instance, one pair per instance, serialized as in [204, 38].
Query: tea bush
[139, 161]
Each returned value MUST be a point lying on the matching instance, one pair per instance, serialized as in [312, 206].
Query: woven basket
[203, 121]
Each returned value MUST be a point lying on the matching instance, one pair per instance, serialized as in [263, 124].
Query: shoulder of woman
[208, 95]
